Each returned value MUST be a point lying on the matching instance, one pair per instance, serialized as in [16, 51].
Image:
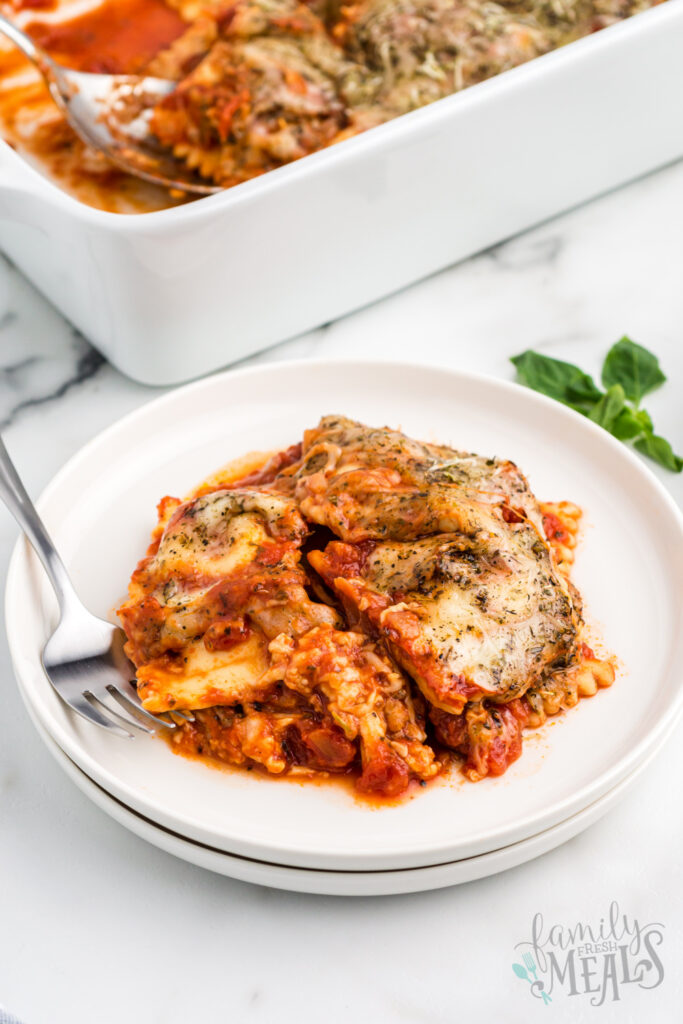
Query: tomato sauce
[34, 5]
[182, 744]
[266, 474]
[554, 528]
[116, 37]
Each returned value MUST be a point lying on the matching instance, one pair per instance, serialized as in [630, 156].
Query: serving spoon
[90, 102]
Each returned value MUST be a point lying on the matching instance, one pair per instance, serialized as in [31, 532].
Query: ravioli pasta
[361, 604]
[265, 82]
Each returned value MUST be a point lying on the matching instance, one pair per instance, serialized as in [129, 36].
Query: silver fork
[84, 658]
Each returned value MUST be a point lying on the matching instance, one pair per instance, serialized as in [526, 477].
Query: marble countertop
[97, 927]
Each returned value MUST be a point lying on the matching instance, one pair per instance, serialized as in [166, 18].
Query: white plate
[100, 509]
[339, 883]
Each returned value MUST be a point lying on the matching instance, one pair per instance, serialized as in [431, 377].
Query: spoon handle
[13, 493]
[24, 42]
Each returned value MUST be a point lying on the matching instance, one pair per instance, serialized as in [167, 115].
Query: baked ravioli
[361, 604]
[262, 83]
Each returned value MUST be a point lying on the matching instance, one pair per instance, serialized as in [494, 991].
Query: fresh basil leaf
[606, 411]
[644, 417]
[630, 423]
[634, 367]
[557, 379]
[661, 451]
[629, 372]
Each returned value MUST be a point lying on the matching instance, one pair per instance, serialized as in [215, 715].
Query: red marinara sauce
[33, 5]
[116, 37]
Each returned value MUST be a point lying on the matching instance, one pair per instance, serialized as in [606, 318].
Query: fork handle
[13, 493]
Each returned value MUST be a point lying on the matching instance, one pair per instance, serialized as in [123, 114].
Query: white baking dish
[171, 295]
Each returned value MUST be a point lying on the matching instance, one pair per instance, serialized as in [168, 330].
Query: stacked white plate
[318, 838]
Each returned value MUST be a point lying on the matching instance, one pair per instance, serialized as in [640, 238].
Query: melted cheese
[364, 483]
[470, 601]
[226, 573]
[491, 615]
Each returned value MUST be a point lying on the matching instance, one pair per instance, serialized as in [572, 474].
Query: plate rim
[349, 882]
[425, 853]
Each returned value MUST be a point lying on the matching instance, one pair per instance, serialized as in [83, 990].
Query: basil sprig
[629, 372]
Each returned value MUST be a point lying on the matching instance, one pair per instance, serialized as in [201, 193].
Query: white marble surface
[96, 927]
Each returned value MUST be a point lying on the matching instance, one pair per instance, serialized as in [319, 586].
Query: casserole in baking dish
[261, 83]
[172, 294]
